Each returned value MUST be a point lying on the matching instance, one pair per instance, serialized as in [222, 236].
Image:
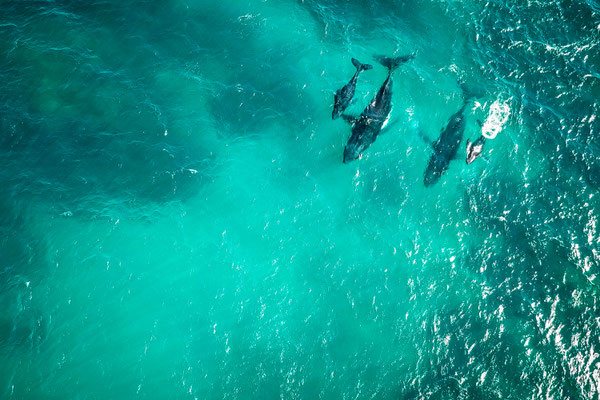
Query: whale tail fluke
[392, 63]
[360, 66]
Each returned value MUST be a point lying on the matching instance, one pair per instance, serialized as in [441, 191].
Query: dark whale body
[374, 117]
[445, 148]
[344, 96]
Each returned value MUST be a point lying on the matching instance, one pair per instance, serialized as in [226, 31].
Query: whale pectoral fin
[388, 126]
[349, 119]
[425, 138]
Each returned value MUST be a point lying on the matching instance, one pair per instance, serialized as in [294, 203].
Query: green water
[176, 220]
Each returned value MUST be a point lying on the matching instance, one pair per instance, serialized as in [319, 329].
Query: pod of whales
[366, 128]
[344, 96]
[375, 116]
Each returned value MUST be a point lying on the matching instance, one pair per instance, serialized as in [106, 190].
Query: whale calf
[474, 149]
[344, 96]
[366, 128]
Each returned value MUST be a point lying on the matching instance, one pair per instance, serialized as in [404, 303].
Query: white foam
[498, 116]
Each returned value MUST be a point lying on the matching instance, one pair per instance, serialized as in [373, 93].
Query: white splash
[498, 116]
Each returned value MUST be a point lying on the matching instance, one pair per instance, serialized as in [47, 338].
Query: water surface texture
[177, 223]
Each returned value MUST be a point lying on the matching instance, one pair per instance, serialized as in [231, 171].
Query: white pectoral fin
[388, 126]
[387, 119]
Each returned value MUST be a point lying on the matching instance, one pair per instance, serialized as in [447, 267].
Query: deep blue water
[176, 220]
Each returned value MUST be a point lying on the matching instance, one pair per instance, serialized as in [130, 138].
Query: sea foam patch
[497, 118]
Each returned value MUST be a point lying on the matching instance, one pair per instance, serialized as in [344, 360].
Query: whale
[474, 149]
[343, 97]
[446, 147]
[366, 127]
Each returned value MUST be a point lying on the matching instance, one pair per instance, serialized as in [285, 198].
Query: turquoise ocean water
[177, 223]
